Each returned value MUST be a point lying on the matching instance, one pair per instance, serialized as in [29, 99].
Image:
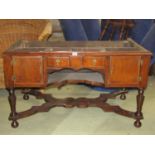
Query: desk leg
[12, 101]
[138, 114]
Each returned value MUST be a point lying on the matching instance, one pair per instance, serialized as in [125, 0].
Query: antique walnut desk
[110, 64]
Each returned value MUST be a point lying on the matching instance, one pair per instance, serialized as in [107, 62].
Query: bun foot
[14, 124]
[123, 97]
[26, 97]
[137, 124]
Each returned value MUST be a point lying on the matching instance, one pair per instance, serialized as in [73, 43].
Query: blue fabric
[140, 29]
[149, 41]
[92, 28]
[110, 90]
[80, 29]
[73, 29]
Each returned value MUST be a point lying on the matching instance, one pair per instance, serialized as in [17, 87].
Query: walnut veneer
[120, 64]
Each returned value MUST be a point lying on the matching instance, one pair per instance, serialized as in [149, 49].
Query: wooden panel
[58, 62]
[76, 61]
[145, 70]
[27, 71]
[94, 61]
[124, 70]
[2, 85]
[8, 72]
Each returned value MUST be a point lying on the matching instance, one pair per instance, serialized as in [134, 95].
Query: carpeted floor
[89, 121]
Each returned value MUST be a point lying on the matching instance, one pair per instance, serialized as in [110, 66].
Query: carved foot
[12, 117]
[14, 124]
[137, 124]
[123, 97]
[26, 97]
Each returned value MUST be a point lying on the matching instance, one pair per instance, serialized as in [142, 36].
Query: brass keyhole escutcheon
[94, 62]
[58, 61]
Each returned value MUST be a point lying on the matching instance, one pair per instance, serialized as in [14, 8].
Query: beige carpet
[77, 120]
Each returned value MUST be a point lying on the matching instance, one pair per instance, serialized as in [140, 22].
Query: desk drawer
[58, 62]
[94, 62]
[76, 61]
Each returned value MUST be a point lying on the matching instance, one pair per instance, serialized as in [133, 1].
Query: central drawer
[76, 61]
[92, 61]
[58, 62]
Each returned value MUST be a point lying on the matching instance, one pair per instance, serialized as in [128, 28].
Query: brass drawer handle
[58, 61]
[94, 62]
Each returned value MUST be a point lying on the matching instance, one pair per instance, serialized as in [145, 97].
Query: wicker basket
[12, 30]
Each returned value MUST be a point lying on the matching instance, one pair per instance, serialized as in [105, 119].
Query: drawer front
[76, 61]
[58, 62]
[98, 62]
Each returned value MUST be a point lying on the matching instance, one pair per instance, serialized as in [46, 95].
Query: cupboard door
[124, 70]
[28, 71]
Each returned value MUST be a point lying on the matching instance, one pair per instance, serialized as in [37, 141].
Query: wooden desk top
[77, 46]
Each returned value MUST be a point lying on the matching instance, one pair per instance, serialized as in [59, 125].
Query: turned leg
[12, 101]
[138, 114]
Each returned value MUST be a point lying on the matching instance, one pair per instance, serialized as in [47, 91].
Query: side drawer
[97, 62]
[58, 62]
